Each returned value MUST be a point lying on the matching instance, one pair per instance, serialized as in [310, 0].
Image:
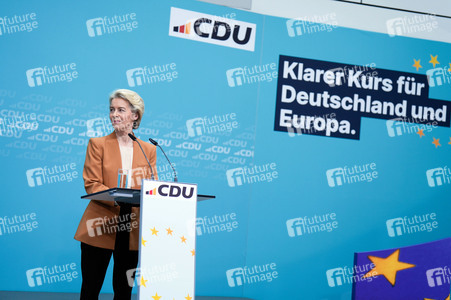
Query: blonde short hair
[136, 103]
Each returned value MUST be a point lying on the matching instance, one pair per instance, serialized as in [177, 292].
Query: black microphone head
[153, 141]
[132, 137]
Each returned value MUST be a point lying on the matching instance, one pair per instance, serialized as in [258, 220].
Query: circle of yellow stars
[417, 65]
[183, 240]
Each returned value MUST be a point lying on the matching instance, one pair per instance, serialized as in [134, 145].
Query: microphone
[136, 140]
[156, 144]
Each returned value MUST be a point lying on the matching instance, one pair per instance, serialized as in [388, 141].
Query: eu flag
[416, 272]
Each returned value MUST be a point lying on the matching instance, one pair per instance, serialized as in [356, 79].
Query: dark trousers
[94, 264]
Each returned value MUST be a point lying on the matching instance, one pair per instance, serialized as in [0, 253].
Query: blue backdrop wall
[309, 162]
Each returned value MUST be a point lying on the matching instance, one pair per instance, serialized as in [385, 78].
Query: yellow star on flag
[436, 142]
[417, 64]
[388, 267]
[188, 297]
[449, 143]
[420, 133]
[143, 242]
[447, 298]
[143, 282]
[434, 60]
[193, 252]
[449, 70]
[156, 297]
[169, 231]
[154, 231]
[183, 238]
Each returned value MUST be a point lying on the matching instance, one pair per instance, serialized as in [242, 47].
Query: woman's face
[121, 115]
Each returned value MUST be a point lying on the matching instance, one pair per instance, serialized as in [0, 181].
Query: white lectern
[167, 233]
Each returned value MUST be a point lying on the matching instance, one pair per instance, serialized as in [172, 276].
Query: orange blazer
[100, 172]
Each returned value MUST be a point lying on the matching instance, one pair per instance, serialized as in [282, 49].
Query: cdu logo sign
[167, 190]
[212, 29]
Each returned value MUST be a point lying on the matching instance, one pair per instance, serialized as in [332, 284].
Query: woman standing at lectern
[105, 228]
